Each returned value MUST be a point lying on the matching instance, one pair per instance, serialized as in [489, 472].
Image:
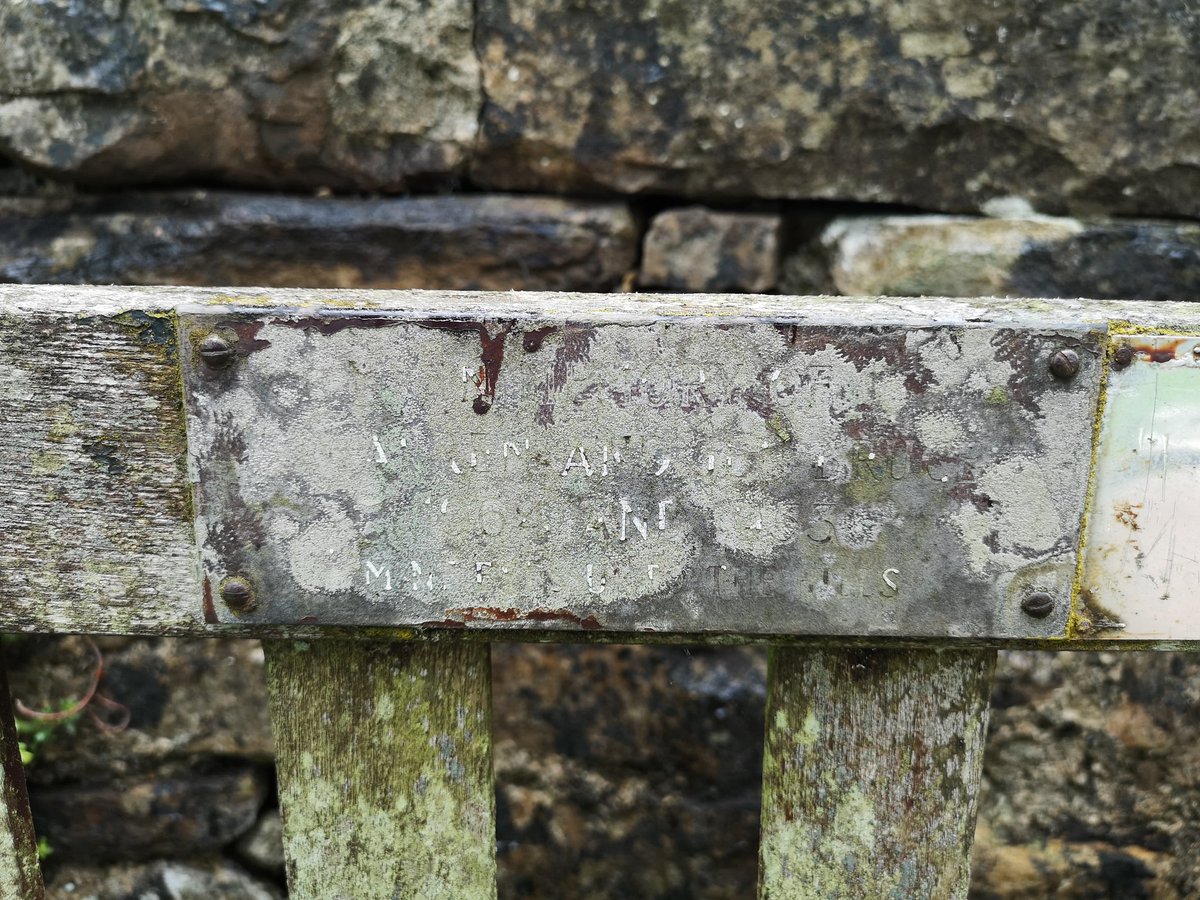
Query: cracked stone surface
[939, 105]
[496, 242]
[380, 94]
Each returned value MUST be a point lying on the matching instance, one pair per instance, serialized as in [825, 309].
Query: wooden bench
[380, 484]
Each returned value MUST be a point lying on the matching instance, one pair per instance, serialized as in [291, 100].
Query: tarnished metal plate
[684, 475]
[1141, 575]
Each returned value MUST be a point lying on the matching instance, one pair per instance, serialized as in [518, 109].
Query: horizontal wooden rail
[298, 463]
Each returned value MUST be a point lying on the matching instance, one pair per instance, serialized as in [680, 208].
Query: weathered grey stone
[192, 880]
[1134, 260]
[1090, 777]
[261, 847]
[190, 702]
[628, 771]
[148, 819]
[484, 242]
[699, 249]
[1031, 256]
[1066, 870]
[941, 105]
[932, 255]
[374, 93]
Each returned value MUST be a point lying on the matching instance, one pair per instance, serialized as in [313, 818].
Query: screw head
[1122, 357]
[216, 351]
[238, 594]
[1064, 364]
[1196, 350]
[1038, 605]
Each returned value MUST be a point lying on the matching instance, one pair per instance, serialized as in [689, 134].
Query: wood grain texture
[95, 523]
[871, 772]
[384, 759]
[20, 874]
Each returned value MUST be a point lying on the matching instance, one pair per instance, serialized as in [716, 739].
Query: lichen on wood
[871, 772]
[384, 758]
[94, 506]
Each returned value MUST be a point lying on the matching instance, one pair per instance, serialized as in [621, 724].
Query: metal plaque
[517, 469]
[1142, 569]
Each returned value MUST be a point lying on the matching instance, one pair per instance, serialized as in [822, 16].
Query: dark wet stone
[216, 238]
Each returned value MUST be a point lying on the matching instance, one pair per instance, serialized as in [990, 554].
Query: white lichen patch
[1023, 525]
[860, 526]
[16, 384]
[942, 431]
[323, 557]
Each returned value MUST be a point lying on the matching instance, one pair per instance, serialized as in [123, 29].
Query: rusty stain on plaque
[1141, 575]
[751, 476]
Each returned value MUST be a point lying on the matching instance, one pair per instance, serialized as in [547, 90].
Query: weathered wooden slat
[97, 532]
[20, 874]
[871, 770]
[384, 759]
[95, 524]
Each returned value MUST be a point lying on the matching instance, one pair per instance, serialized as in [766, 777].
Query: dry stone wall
[940, 105]
[851, 147]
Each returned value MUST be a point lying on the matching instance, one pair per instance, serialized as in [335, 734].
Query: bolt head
[1064, 364]
[216, 351]
[1122, 357]
[238, 594]
[1196, 350]
[1038, 605]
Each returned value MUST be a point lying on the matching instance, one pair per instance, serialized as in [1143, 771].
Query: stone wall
[848, 147]
[941, 105]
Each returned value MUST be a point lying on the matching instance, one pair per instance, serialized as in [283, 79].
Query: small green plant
[36, 727]
[33, 734]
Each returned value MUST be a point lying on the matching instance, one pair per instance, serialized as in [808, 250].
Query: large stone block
[1028, 256]
[941, 105]
[148, 819]
[699, 249]
[1089, 782]
[628, 771]
[371, 93]
[461, 242]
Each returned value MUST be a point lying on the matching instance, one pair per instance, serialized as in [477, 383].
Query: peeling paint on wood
[871, 773]
[1141, 573]
[20, 874]
[384, 759]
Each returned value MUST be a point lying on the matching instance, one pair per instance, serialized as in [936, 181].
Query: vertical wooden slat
[20, 874]
[384, 755]
[871, 771]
